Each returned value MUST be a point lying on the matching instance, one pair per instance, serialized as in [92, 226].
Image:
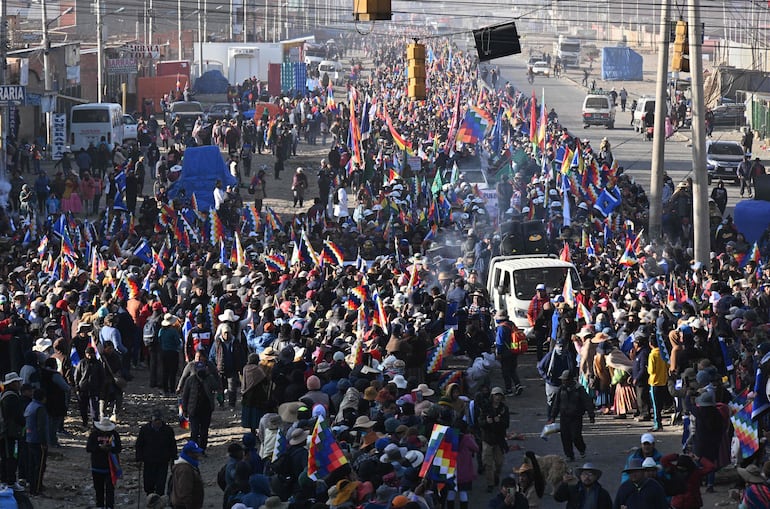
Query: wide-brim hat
[12, 377]
[425, 390]
[268, 353]
[590, 467]
[634, 465]
[525, 467]
[600, 338]
[501, 315]
[363, 421]
[105, 424]
[168, 320]
[42, 344]
[274, 503]
[228, 316]
[288, 411]
[751, 474]
[298, 436]
[415, 458]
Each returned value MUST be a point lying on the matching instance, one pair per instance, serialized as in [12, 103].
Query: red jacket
[690, 499]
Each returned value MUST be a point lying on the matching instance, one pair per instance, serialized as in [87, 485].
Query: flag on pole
[324, 453]
[380, 317]
[567, 291]
[440, 463]
[281, 444]
[746, 430]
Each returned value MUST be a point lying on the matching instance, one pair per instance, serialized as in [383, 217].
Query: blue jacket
[648, 494]
[562, 362]
[639, 369]
[169, 339]
[36, 419]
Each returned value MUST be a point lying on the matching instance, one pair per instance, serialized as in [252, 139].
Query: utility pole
[232, 21]
[200, 41]
[659, 136]
[700, 199]
[47, 77]
[99, 52]
[179, 29]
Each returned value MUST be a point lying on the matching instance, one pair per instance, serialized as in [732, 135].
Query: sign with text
[143, 50]
[14, 94]
[121, 66]
[58, 135]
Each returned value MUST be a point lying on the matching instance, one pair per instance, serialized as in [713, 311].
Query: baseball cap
[541, 286]
[498, 390]
[647, 438]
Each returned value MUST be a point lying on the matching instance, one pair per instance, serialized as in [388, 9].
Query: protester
[104, 446]
[155, 449]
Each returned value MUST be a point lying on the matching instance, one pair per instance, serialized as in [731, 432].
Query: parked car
[187, 112]
[219, 111]
[541, 67]
[129, 128]
[598, 110]
[730, 115]
[723, 159]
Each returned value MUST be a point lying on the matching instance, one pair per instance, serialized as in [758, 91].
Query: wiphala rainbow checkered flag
[324, 454]
[746, 429]
[440, 462]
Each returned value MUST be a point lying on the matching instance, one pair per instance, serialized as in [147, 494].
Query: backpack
[150, 331]
[519, 342]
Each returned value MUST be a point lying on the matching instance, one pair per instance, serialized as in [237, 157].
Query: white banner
[58, 135]
[143, 50]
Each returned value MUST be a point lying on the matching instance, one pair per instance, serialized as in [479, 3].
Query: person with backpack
[150, 339]
[289, 465]
[102, 443]
[510, 342]
[155, 449]
[186, 491]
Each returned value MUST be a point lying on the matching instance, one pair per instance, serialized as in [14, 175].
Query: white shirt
[219, 197]
[341, 208]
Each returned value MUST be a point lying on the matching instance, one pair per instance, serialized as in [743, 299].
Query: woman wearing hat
[757, 492]
[710, 431]
[103, 442]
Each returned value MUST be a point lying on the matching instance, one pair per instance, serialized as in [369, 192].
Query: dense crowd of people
[322, 329]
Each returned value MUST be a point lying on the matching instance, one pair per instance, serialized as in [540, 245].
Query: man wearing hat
[640, 491]
[587, 492]
[102, 442]
[508, 359]
[186, 482]
[155, 449]
[13, 427]
[570, 403]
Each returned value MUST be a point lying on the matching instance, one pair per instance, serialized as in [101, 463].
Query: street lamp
[47, 77]
[100, 49]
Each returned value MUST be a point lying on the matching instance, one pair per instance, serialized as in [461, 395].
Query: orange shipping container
[156, 87]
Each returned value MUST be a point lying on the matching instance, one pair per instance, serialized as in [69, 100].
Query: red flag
[533, 119]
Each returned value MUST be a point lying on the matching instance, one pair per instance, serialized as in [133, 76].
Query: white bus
[89, 122]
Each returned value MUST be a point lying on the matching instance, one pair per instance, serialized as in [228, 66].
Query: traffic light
[372, 10]
[681, 59]
[415, 58]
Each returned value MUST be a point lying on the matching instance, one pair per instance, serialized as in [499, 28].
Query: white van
[512, 281]
[644, 105]
[89, 122]
[598, 110]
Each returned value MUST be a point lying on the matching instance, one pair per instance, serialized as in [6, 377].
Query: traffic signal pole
[701, 227]
[659, 135]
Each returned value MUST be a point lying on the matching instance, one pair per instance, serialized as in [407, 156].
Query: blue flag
[118, 203]
[143, 251]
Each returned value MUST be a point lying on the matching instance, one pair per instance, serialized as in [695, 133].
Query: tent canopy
[201, 168]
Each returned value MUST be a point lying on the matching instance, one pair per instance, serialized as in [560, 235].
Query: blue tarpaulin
[201, 168]
[621, 64]
[751, 217]
[212, 82]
